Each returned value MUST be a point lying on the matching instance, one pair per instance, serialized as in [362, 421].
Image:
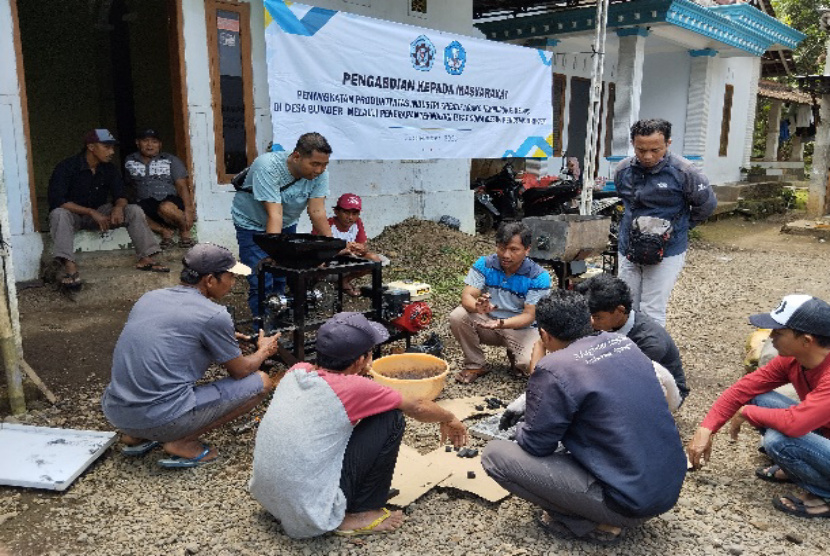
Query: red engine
[415, 317]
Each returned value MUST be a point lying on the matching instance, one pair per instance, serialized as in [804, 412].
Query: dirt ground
[130, 507]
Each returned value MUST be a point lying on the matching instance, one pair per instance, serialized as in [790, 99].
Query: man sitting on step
[86, 191]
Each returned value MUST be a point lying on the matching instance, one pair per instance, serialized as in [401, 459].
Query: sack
[238, 181]
[647, 240]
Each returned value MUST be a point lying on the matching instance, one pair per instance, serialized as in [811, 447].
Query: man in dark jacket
[658, 184]
[599, 450]
[80, 190]
[609, 300]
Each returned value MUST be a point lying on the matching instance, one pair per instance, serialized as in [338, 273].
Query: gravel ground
[132, 507]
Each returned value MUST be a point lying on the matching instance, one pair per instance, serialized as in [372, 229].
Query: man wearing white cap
[796, 435]
[171, 338]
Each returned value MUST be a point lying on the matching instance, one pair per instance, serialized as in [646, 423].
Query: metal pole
[594, 103]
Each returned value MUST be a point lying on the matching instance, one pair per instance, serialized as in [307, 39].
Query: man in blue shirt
[498, 304]
[599, 449]
[659, 184]
[278, 188]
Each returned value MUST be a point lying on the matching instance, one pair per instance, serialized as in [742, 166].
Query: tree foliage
[803, 15]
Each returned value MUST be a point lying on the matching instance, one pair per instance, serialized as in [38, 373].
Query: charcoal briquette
[471, 474]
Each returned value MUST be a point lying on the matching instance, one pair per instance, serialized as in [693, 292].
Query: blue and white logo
[422, 53]
[455, 57]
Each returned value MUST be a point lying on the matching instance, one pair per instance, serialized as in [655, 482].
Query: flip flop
[178, 462]
[767, 473]
[800, 509]
[186, 242]
[153, 267]
[166, 243]
[71, 281]
[139, 449]
[468, 376]
[369, 529]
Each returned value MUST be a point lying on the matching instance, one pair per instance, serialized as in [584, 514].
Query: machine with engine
[314, 272]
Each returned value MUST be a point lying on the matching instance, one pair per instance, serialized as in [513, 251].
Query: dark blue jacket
[600, 398]
[673, 186]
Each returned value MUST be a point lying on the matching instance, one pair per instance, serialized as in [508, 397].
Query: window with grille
[417, 7]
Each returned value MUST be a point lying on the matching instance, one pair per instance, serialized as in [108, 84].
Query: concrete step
[819, 228]
[111, 276]
[725, 207]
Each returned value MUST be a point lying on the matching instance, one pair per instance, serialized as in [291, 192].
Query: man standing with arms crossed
[659, 184]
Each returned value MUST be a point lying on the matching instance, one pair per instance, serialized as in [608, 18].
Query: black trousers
[369, 461]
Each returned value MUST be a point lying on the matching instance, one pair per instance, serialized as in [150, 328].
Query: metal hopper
[568, 237]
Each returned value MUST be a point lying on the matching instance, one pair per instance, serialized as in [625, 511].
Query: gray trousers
[557, 483]
[63, 224]
[471, 337]
[651, 285]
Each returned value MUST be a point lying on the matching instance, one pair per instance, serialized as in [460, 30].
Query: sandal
[179, 462]
[71, 281]
[769, 474]
[468, 376]
[166, 242]
[800, 509]
[186, 242]
[140, 449]
[370, 529]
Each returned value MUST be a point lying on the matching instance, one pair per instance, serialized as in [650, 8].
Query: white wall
[738, 73]
[25, 242]
[665, 92]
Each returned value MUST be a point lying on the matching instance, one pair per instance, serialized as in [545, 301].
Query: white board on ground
[48, 458]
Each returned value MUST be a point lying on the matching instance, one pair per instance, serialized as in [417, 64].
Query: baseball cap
[147, 132]
[207, 258]
[349, 201]
[803, 313]
[99, 136]
[349, 335]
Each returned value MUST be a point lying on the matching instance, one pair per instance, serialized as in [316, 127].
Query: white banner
[382, 90]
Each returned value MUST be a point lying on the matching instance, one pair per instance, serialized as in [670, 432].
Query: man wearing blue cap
[86, 191]
[327, 446]
[796, 435]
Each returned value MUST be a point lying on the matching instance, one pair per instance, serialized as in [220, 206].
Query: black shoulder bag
[238, 182]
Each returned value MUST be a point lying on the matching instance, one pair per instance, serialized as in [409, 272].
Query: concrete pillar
[773, 131]
[632, 41]
[751, 112]
[797, 150]
[697, 110]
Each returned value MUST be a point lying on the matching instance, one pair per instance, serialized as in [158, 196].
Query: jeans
[805, 459]
[250, 254]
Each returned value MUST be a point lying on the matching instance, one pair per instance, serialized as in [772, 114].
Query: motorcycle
[496, 199]
[505, 197]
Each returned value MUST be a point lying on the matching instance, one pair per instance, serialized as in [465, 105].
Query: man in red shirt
[796, 435]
